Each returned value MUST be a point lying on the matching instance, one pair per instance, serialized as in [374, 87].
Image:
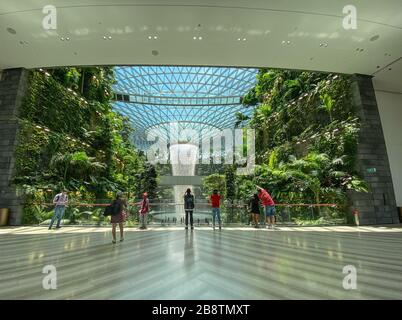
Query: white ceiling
[263, 23]
[389, 78]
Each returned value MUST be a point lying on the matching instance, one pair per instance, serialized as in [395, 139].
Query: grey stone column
[13, 84]
[379, 205]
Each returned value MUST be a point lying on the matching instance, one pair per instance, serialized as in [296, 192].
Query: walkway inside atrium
[235, 263]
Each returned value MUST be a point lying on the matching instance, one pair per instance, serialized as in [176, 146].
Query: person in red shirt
[215, 201]
[268, 205]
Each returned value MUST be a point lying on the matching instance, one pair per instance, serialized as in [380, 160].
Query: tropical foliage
[70, 137]
[306, 142]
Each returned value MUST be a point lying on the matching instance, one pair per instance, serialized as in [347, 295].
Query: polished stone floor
[170, 263]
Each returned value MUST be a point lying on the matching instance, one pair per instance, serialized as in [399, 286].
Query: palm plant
[76, 165]
[240, 119]
[327, 105]
[60, 162]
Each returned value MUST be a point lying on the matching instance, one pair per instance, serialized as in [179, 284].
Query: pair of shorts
[269, 211]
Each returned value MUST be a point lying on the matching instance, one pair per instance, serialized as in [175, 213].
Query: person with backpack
[189, 207]
[269, 207]
[60, 201]
[118, 215]
[144, 209]
[215, 201]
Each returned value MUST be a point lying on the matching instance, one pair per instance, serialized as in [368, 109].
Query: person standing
[254, 207]
[119, 206]
[215, 200]
[268, 205]
[189, 207]
[144, 211]
[60, 201]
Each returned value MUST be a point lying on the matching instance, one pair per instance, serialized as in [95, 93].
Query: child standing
[255, 209]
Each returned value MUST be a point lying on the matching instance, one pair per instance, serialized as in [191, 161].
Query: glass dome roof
[197, 98]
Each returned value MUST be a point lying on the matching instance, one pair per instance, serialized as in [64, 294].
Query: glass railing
[166, 213]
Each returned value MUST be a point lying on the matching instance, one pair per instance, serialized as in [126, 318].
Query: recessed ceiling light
[68, 39]
[110, 37]
[11, 30]
[244, 39]
[374, 38]
[283, 42]
[199, 38]
[155, 37]
[323, 44]
[238, 39]
[194, 38]
[104, 38]
[62, 38]
[149, 37]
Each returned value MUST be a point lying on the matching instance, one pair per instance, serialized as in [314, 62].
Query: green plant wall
[306, 141]
[70, 137]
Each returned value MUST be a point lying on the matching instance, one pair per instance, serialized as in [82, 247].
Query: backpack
[189, 201]
[112, 209]
[108, 211]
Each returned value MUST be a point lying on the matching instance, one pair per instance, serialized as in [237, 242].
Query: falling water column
[183, 158]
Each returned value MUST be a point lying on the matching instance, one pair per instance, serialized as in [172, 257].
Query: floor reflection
[202, 264]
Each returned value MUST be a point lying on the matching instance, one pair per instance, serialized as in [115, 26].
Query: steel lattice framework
[198, 98]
